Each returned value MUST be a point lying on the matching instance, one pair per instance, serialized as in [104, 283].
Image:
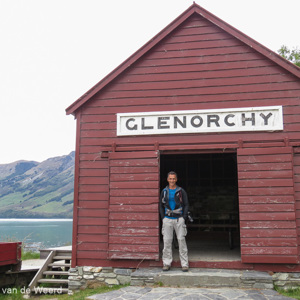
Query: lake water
[37, 233]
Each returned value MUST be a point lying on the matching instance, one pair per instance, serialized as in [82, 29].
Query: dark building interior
[211, 183]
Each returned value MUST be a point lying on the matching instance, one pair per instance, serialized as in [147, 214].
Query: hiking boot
[166, 268]
[185, 269]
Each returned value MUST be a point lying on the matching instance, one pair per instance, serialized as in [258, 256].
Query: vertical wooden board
[270, 183]
[121, 240]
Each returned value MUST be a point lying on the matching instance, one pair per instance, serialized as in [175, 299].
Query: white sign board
[267, 118]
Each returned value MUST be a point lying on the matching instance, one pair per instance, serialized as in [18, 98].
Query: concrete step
[203, 278]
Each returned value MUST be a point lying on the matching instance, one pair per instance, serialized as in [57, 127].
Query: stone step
[203, 278]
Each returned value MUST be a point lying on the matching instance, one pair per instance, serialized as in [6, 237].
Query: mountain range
[29, 189]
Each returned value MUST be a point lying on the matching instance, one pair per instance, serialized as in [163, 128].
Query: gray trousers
[168, 227]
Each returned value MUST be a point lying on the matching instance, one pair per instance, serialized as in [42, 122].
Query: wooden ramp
[52, 278]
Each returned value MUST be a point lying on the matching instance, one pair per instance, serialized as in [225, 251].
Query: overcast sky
[53, 51]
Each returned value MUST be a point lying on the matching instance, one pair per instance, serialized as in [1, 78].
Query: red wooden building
[222, 110]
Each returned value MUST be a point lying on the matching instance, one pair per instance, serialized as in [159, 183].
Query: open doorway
[211, 183]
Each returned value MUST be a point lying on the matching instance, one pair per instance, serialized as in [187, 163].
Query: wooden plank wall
[267, 206]
[92, 221]
[197, 67]
[133, 207]
[297, 189]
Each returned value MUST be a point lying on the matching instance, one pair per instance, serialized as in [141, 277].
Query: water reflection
[37, 233]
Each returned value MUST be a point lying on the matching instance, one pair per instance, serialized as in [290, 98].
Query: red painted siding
[10, 253]
[196, 66]
[91, 227]
[297, 190]
[133, 217]
[267, 206]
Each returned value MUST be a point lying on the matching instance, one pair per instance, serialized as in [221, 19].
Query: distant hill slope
[29, 189]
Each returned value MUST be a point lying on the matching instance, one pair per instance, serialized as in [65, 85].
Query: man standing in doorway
[173, 207]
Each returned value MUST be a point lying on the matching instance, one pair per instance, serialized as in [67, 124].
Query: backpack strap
[180, 197]
[164, 197]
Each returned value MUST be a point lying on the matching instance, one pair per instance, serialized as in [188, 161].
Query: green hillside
[29, 189]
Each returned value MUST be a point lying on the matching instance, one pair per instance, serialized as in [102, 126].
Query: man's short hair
[172, 173]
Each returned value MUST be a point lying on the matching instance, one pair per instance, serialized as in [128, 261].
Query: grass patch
[294, 293]
[11, 199]
[30, 255]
